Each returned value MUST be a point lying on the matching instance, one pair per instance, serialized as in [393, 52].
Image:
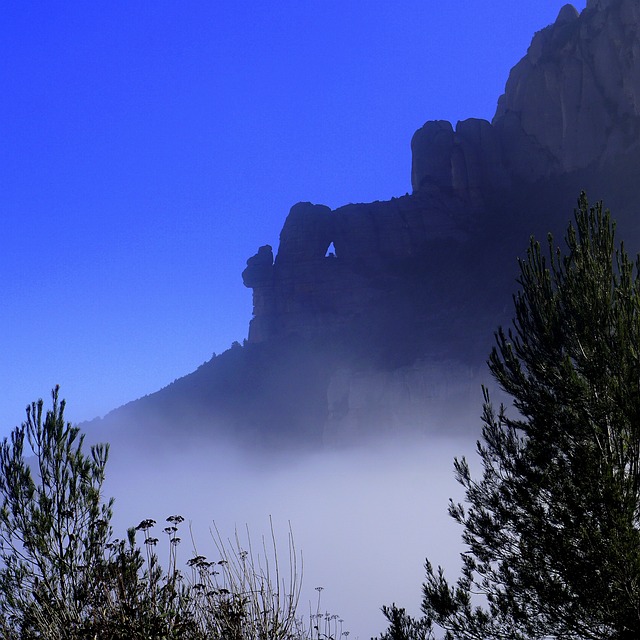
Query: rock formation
[570, 114]
[572, 102]
[389, 329]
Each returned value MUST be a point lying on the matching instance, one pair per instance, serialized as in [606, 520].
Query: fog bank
[363, 518]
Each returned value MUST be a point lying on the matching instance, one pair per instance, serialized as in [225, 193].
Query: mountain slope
[376, 318]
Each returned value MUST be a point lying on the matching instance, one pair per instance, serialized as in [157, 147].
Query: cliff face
[430, 274]
[575, 95]
[377, 317]
[333, 267]
[571, 105]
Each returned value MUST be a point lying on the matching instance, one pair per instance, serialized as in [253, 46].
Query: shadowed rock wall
[571, 105]
[378, 317]
[430, 274]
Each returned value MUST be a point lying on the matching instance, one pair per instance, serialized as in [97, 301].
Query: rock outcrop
[572, 101]
[575, 95]
[305, 290]
[425, 273]
[469, 160]
[375, 317]
[571, 104]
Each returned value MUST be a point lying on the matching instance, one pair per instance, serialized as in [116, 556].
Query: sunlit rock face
[572, 102]
[575, 95]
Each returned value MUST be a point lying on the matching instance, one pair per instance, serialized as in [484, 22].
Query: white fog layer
[364, 519]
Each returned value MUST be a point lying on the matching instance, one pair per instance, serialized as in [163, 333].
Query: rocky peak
[571, 105]
[567, 14]
[464, 160]
[375, 317]
[572, 102]
[575, 96]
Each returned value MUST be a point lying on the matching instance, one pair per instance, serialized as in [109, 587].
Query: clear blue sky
[147, 149]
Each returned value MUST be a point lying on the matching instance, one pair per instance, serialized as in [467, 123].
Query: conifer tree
[552, 526]
[54, 525]
[64, 577]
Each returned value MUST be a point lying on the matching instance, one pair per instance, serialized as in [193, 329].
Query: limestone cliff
[379, 316]
[430, 273]
[572, 102]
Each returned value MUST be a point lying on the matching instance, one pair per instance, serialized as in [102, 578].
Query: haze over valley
[351, 333]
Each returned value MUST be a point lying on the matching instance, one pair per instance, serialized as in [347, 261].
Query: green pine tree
[64, 577]
[54, 524]
[552, 526]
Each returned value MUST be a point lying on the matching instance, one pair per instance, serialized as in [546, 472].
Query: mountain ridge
[377, 317]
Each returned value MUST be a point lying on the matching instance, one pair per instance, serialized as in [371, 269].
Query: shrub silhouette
[64, 576]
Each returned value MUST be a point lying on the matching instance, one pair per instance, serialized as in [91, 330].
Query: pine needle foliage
[552, 526]
[63, 576]
[53, 522]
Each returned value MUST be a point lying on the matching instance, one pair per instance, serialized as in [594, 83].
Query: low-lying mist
[363, 518]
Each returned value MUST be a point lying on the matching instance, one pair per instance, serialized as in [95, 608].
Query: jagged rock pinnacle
[397, 320]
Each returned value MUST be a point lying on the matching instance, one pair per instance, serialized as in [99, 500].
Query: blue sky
[148, 149]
